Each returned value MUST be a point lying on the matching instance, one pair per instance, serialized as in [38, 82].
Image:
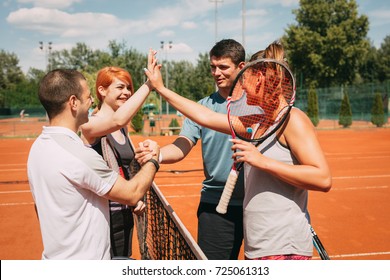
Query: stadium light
[47, 49]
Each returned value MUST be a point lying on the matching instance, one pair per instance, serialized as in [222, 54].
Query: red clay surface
[352, 220]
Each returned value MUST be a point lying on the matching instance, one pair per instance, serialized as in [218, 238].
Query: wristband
[155, 163]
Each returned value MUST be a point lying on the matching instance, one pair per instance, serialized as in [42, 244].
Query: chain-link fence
[361, 98]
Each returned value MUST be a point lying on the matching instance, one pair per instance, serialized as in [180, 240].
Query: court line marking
[8, 192]
[176, 185]
[16, 204]
[181, 196]
[355, 255]
[357, 153]
[359, 188]
[361, 177]
[13, 164]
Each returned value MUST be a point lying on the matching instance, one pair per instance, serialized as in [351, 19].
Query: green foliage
[384, 60]
[345, 115]
[375, 66]
[328, 43]
[137, 121]
[179, 77]
[312, 106]
[202, 83]
[369, 68]
[377, 112]
[80, 57]
[174, 123]
[11, 76]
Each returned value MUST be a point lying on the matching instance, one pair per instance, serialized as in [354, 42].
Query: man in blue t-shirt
[219, 236]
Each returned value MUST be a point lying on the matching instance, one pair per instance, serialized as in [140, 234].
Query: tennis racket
[109, 155]
[259, 102]
[318, 245]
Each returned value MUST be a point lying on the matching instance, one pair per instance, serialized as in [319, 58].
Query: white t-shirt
[68, 180]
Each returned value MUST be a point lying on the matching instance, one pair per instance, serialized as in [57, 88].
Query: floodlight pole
[165, 48]
[216, 16]
[243, 22]
[47, 49]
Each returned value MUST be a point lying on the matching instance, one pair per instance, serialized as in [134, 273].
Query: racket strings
[260, 99]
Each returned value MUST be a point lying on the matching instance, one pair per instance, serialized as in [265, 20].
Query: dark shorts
[121, 232]
[220, 236]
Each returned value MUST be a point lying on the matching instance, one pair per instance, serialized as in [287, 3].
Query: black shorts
[121, 232]
[220, 236]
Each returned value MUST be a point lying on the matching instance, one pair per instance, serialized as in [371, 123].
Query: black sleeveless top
[124, 151]
[125, 155]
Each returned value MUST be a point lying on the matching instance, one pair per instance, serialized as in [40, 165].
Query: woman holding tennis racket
[278, 146]
[108, 126]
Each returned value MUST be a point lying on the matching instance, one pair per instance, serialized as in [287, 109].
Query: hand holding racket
[259, 102]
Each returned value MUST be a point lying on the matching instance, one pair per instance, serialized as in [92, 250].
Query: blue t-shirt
[216, 153]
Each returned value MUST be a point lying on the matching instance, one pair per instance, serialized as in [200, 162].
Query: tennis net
[160, 232]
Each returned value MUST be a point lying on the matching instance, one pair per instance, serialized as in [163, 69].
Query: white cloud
[256, 12]
[379, 17]
[288, 3]
[181, 48]
[189, 25]
[56, 22]
[54, 4]
[166, 33]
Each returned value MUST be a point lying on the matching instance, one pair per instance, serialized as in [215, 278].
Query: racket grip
[227, 192]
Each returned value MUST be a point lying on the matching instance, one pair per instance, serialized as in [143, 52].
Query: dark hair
[229, 48]
[56, 87]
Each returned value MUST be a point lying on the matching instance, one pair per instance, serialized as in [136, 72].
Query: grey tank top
[275, 221]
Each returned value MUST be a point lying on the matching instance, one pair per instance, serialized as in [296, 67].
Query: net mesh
[160, 232]
[162, 236]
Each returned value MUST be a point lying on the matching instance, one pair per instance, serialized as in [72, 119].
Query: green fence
[361, 98]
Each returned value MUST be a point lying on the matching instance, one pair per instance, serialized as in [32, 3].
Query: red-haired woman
[117, 106]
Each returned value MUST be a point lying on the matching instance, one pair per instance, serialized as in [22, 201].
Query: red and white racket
[259, 102]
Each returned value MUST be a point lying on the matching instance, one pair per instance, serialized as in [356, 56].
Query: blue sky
[141, 24]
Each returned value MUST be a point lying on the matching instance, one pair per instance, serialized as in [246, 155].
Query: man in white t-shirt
[71, 183]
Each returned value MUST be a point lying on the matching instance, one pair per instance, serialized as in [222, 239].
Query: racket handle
[318, 245]
[227, 192]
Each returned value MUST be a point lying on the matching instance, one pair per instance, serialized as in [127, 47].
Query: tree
[377, 112]
[174, 124]
[328, 42]
[345, 115]
[181, 76]
[369, 69]
[81, 57]
[10, 76]
[384, 60]
[312, 106]
[137, 122]
[201, 82]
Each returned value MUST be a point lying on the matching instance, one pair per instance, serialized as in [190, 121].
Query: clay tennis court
[352, 220]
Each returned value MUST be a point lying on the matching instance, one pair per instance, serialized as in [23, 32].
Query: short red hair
[106, 76]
